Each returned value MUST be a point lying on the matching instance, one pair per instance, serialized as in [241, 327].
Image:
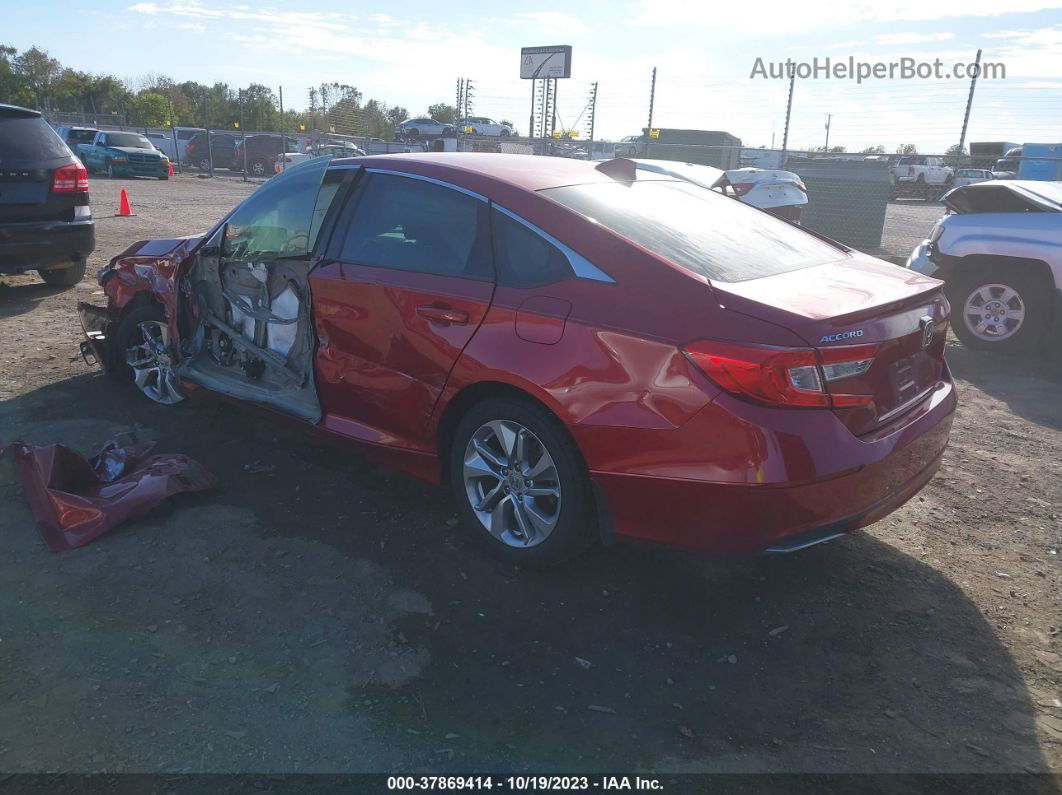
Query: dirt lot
[316, 614]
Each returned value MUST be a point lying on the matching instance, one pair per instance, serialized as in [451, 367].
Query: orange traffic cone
[170, 164]
[124, 207]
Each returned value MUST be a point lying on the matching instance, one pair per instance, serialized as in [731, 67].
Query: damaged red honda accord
[579, 350]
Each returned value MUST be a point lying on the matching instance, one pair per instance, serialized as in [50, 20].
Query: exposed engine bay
[252, 337]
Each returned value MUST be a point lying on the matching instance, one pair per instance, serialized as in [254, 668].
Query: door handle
[443, 314]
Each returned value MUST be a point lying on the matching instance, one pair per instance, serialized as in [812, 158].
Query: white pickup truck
[999, 252]
[922, 170]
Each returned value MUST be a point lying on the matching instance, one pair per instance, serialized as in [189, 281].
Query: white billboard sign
[545, 62]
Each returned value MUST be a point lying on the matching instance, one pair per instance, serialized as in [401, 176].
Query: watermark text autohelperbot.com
[851, 69]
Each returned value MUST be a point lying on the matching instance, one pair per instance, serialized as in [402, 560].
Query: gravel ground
[317, 614]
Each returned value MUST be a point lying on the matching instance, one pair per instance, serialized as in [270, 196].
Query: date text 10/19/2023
[524, 783]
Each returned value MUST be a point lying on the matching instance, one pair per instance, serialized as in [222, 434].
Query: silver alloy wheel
[512, 483]
[152, 364]
[994, 312]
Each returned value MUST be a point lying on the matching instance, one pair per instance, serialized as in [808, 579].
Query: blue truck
[123, 154]
[1041, 162]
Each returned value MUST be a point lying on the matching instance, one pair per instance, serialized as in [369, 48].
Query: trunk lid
[859, 302]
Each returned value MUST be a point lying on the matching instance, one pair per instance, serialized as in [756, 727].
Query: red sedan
[579, 350]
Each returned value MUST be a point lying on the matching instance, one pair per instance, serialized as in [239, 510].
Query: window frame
[582, 268]
[343, 223]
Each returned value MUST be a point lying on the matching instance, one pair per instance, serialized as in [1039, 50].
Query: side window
[283, 217]
[523, 257]
[412, 225]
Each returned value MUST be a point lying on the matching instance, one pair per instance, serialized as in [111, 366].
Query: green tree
[907, 149]
[440, 111]
[874, 150]
[148, 110]
[40, 71]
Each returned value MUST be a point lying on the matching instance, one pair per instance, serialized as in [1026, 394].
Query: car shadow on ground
[851, 656]
[1030, 384]
[17, 298]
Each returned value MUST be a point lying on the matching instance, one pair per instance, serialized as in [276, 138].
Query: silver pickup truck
[999, 250]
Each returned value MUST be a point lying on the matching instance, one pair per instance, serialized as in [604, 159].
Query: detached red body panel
[75, 500]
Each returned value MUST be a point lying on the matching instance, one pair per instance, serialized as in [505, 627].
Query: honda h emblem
[927, 330]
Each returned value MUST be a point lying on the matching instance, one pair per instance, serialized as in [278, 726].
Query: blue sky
[411, 53]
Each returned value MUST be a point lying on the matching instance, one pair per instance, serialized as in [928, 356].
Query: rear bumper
[46, 244]
[774, 509]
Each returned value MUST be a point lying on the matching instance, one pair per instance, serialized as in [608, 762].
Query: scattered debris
[598, 708]
[687, 732]
[586, 665]
[978, 750]
[778, 630]
[75, 500]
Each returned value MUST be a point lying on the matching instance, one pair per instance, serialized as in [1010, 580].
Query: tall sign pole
[545, 64]
[788, 113]
[969, 103]
[652, 101]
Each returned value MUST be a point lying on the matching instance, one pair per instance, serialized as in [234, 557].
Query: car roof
[530, 172]
[18, 111]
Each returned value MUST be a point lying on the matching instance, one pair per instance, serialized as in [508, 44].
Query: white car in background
[164, 143]
[781, 193]
[481, 125]
[422, 126]
[999, 252]
[285, 161]
[970, 176]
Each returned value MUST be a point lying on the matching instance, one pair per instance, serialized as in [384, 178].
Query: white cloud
[552, 22]
[783, 17]
[912, 38]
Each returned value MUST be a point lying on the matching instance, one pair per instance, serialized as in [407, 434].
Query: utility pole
[470, 94]
[829, 118]
[531, 118]
[788, 113]
[553, 123]
[652, 100]
[593, 109]
[243, 138]
[283, 134]
[969, 103]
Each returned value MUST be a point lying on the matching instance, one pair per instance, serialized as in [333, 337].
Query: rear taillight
[70, 179]
[795, 377]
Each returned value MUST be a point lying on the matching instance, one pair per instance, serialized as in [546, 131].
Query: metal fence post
[243, 138]
[283, 134]
[210, 151]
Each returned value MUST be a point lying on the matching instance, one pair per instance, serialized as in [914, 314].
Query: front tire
[141, 337]
[64, 277]
[520, 482]
[1000, 308]
[257, 168]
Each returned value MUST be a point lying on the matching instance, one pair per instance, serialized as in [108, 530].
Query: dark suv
[262, 151]
[222, 147]
[45, 221]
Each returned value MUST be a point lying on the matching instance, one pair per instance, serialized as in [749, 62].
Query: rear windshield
[698, 229]
[29, 140]
[81, 136]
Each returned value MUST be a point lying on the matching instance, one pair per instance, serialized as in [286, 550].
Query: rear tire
[997, 307]
[257, 168]
[64, 277]
[560, 525]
